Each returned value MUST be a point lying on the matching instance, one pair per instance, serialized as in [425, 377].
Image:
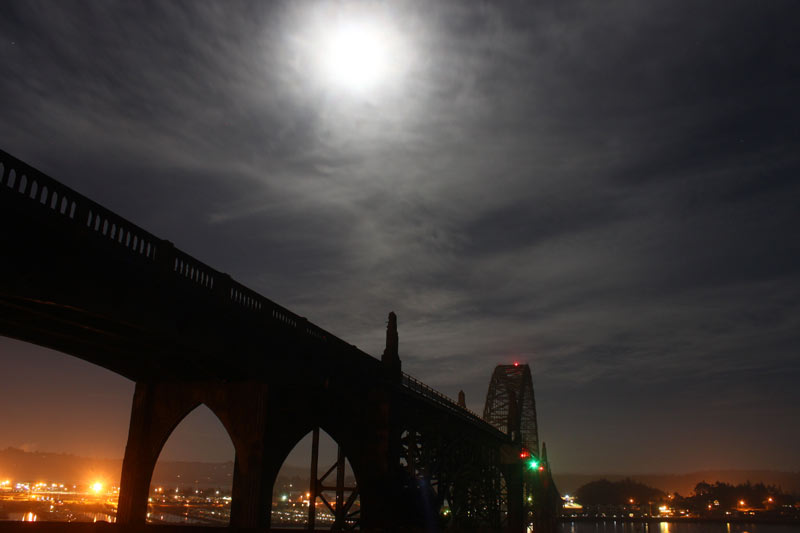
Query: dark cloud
[608, 191]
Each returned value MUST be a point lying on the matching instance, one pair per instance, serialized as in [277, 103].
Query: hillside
[684, 483]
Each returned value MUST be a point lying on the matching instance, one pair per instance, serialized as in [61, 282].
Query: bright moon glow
[356, 55]
[358, 52]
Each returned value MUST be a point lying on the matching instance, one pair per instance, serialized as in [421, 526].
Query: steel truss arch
[511, 406]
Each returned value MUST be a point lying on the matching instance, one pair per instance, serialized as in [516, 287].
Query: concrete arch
[345, 419]
[346, 447]
[181, 428]
[293, 416]
[328, 477]
[157, 410]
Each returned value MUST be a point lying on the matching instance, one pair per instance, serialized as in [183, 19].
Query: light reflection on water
[673, 527]
[21, 517]
[30, 516]
[97, 517]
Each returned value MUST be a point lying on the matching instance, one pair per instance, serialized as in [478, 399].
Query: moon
[356, 55]
[359, 54]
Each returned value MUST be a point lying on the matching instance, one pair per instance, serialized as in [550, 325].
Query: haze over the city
[606, 191]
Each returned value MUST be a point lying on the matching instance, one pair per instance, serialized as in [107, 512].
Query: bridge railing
[20, 178]
[186, 266]
[28, 183]
[413, 384]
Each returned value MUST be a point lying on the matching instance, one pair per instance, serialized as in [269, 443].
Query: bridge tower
[511, 393]
[511, 407]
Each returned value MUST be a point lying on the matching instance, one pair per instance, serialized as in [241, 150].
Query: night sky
[607, 191]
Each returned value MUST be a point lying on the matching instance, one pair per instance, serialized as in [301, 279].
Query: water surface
[672, 527]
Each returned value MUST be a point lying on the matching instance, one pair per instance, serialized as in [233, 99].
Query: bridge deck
[33, 191]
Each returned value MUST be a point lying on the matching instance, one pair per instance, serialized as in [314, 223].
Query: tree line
[718, 495]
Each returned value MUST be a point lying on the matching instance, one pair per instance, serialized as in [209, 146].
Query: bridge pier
[516, 494]
[159, 407]
[371, 457]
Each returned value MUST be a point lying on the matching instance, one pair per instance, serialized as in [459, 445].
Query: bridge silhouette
[78, 278]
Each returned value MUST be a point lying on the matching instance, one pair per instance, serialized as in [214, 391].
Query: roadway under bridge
[78, 278]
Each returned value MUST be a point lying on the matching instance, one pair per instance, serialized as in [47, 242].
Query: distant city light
[97, 487]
